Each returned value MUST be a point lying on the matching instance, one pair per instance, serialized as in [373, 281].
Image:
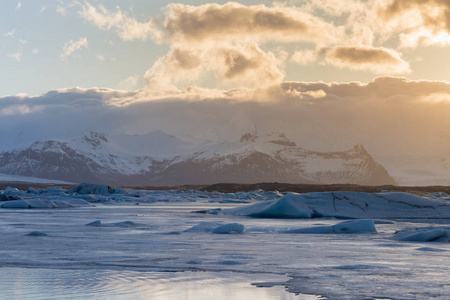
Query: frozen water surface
[120, 250]
[107, 284]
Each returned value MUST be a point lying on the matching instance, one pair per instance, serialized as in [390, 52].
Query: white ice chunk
[31, 203]
[49, 203]
[123, 224]
[32, 190]
[97, 223]
[54, 190]
[91, 188]
[11, 191]
[285, 207]
[229, 228]
[358, 226]
[346, 205]
[428, 234]
[204, 227]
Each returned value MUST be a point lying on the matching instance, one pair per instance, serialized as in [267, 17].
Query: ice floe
[37, 233]
[97, 223]
[229, 228]
[346, 205]
[203, 227]
[124, 224]
[100, 189]
[358, 226]
[217, 228]
[424, 234]
[45, 203]
[164, 234]
[100, 193]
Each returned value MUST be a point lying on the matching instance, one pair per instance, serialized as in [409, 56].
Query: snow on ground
[387, 255]
[17, 178]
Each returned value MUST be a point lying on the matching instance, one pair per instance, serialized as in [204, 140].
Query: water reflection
[36, 284]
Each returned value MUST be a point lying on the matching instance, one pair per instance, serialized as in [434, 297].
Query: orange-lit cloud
[378, 60]
[419, 22]
[247, 65]
[305, 57]
[233, 43]
[234, 21]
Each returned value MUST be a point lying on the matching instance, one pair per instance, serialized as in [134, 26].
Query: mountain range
[159, 158]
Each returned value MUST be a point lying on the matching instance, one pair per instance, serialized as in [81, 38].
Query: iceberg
[217, 228]
[352, 205]
[97, 189]
[426, 234]
[229, 228]
[37, 233]
[203, 227]
[358, 226]
[45, 203]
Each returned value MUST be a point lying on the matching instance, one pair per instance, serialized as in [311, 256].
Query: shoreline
[266, 186]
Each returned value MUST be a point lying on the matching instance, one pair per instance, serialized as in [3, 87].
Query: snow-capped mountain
[159, 158]
[275, 158]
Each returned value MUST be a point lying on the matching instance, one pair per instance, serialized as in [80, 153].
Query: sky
[120, 44]
[328, 73]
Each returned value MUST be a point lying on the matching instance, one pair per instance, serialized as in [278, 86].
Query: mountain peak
[360, 148]
[125, 160]
[248, 137]
[270, 138]
[94, 139]
[279, 139]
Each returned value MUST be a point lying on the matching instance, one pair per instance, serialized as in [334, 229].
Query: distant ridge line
[266, 186]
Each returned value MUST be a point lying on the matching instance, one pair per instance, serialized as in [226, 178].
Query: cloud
[10, 33]
[246, 65]
[62, 11]
[127, 27]
[419, 22]
[72, 46]
[378, 60]
[101, 57]
[218, 23]
[223, 44]
[250, 64]
[234, 21]
[15, 110]
[130, 83]
[304, 57]
[17, 56]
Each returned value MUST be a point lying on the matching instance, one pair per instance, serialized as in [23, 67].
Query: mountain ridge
[98, 158]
